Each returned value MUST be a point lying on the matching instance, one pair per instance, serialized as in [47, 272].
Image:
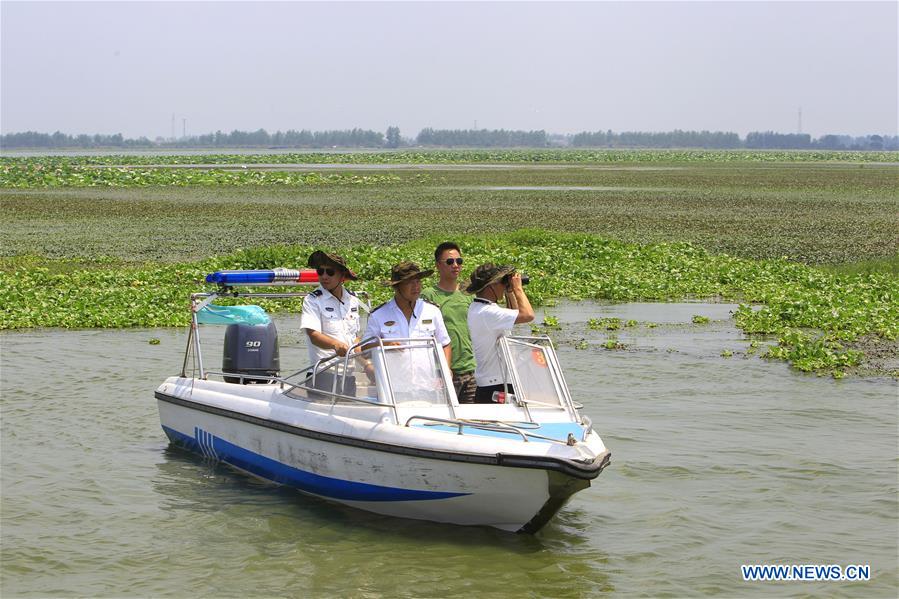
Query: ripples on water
[716, 463]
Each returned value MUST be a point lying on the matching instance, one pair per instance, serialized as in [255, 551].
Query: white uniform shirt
[388, 322]
[487, 322]
[335, 318]
[414, 374]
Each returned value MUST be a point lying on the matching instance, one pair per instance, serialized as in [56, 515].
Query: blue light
[276, 276]
[241, 277]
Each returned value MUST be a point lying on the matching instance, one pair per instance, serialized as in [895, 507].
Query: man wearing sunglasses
[454, 306]
[331, 316]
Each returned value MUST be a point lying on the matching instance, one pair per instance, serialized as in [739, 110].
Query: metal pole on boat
[444, 369]
[190, 336]
[195, 329]
[563, 384]
[388, 385]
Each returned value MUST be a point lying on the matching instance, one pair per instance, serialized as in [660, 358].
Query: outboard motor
[251, 349]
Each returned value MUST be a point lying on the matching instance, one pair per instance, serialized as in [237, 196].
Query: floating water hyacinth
[436, 156]
[128, 257]
[32, 174]
[795, 297]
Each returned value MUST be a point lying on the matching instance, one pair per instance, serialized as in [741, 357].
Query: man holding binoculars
[487, 322]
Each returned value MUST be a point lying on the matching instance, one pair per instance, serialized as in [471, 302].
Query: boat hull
[503, 490]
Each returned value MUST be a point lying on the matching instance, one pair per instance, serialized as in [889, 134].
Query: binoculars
[524, 279]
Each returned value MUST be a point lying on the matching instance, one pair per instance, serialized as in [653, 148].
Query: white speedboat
[396, 443]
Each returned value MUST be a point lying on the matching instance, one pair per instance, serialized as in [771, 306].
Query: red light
[308, 275]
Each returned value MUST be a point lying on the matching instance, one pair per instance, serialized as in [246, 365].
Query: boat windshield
[409, 373]
[412, 371]
[534, 369]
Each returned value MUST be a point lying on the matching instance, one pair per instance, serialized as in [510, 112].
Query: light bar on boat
[277, 276]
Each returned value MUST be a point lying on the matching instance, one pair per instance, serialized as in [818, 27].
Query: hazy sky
[126, 67]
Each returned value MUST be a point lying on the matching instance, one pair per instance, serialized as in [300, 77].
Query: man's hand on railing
[369, 346]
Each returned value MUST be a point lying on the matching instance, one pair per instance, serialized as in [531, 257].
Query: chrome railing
[376, 349]
[498, 426]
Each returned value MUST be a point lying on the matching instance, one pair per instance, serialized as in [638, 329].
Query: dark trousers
[465, 386]
[485, 394]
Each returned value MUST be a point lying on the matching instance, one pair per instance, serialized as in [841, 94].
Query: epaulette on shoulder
[316, 293]
[350, 291]
[427, 301]
[378, 307]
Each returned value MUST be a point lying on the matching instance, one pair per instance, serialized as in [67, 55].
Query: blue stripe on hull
[218, 449]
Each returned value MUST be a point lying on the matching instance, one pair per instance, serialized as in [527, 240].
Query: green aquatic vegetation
[726, 353]
[581, 344]
[699, 319]
[551, 322]
[33, 174]
[35, 292]
[437, 156]
[814, 312]
[811, 353]
[845, 306]
[154, 341]
[887, 265]
[607, 324]
[612, 343]
[809, 213]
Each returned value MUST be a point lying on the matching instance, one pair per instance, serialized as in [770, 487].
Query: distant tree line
[482, 138]
[728, 140]
[778, 141]
[469, 138]
[352, 138]
[671, 139]
[33, 139]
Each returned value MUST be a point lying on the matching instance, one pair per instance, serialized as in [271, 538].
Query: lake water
[717, 462]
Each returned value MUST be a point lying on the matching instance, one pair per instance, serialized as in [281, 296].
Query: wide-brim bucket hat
[405, 271]
[487, 274]
[320, 258]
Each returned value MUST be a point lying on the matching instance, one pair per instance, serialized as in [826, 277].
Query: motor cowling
[251, 350]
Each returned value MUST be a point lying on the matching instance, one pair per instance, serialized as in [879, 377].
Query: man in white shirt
[487, 322]
[330, 318]
[407, 316]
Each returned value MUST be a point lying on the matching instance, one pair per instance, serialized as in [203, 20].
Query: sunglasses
[329, 271]
[450, 261]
